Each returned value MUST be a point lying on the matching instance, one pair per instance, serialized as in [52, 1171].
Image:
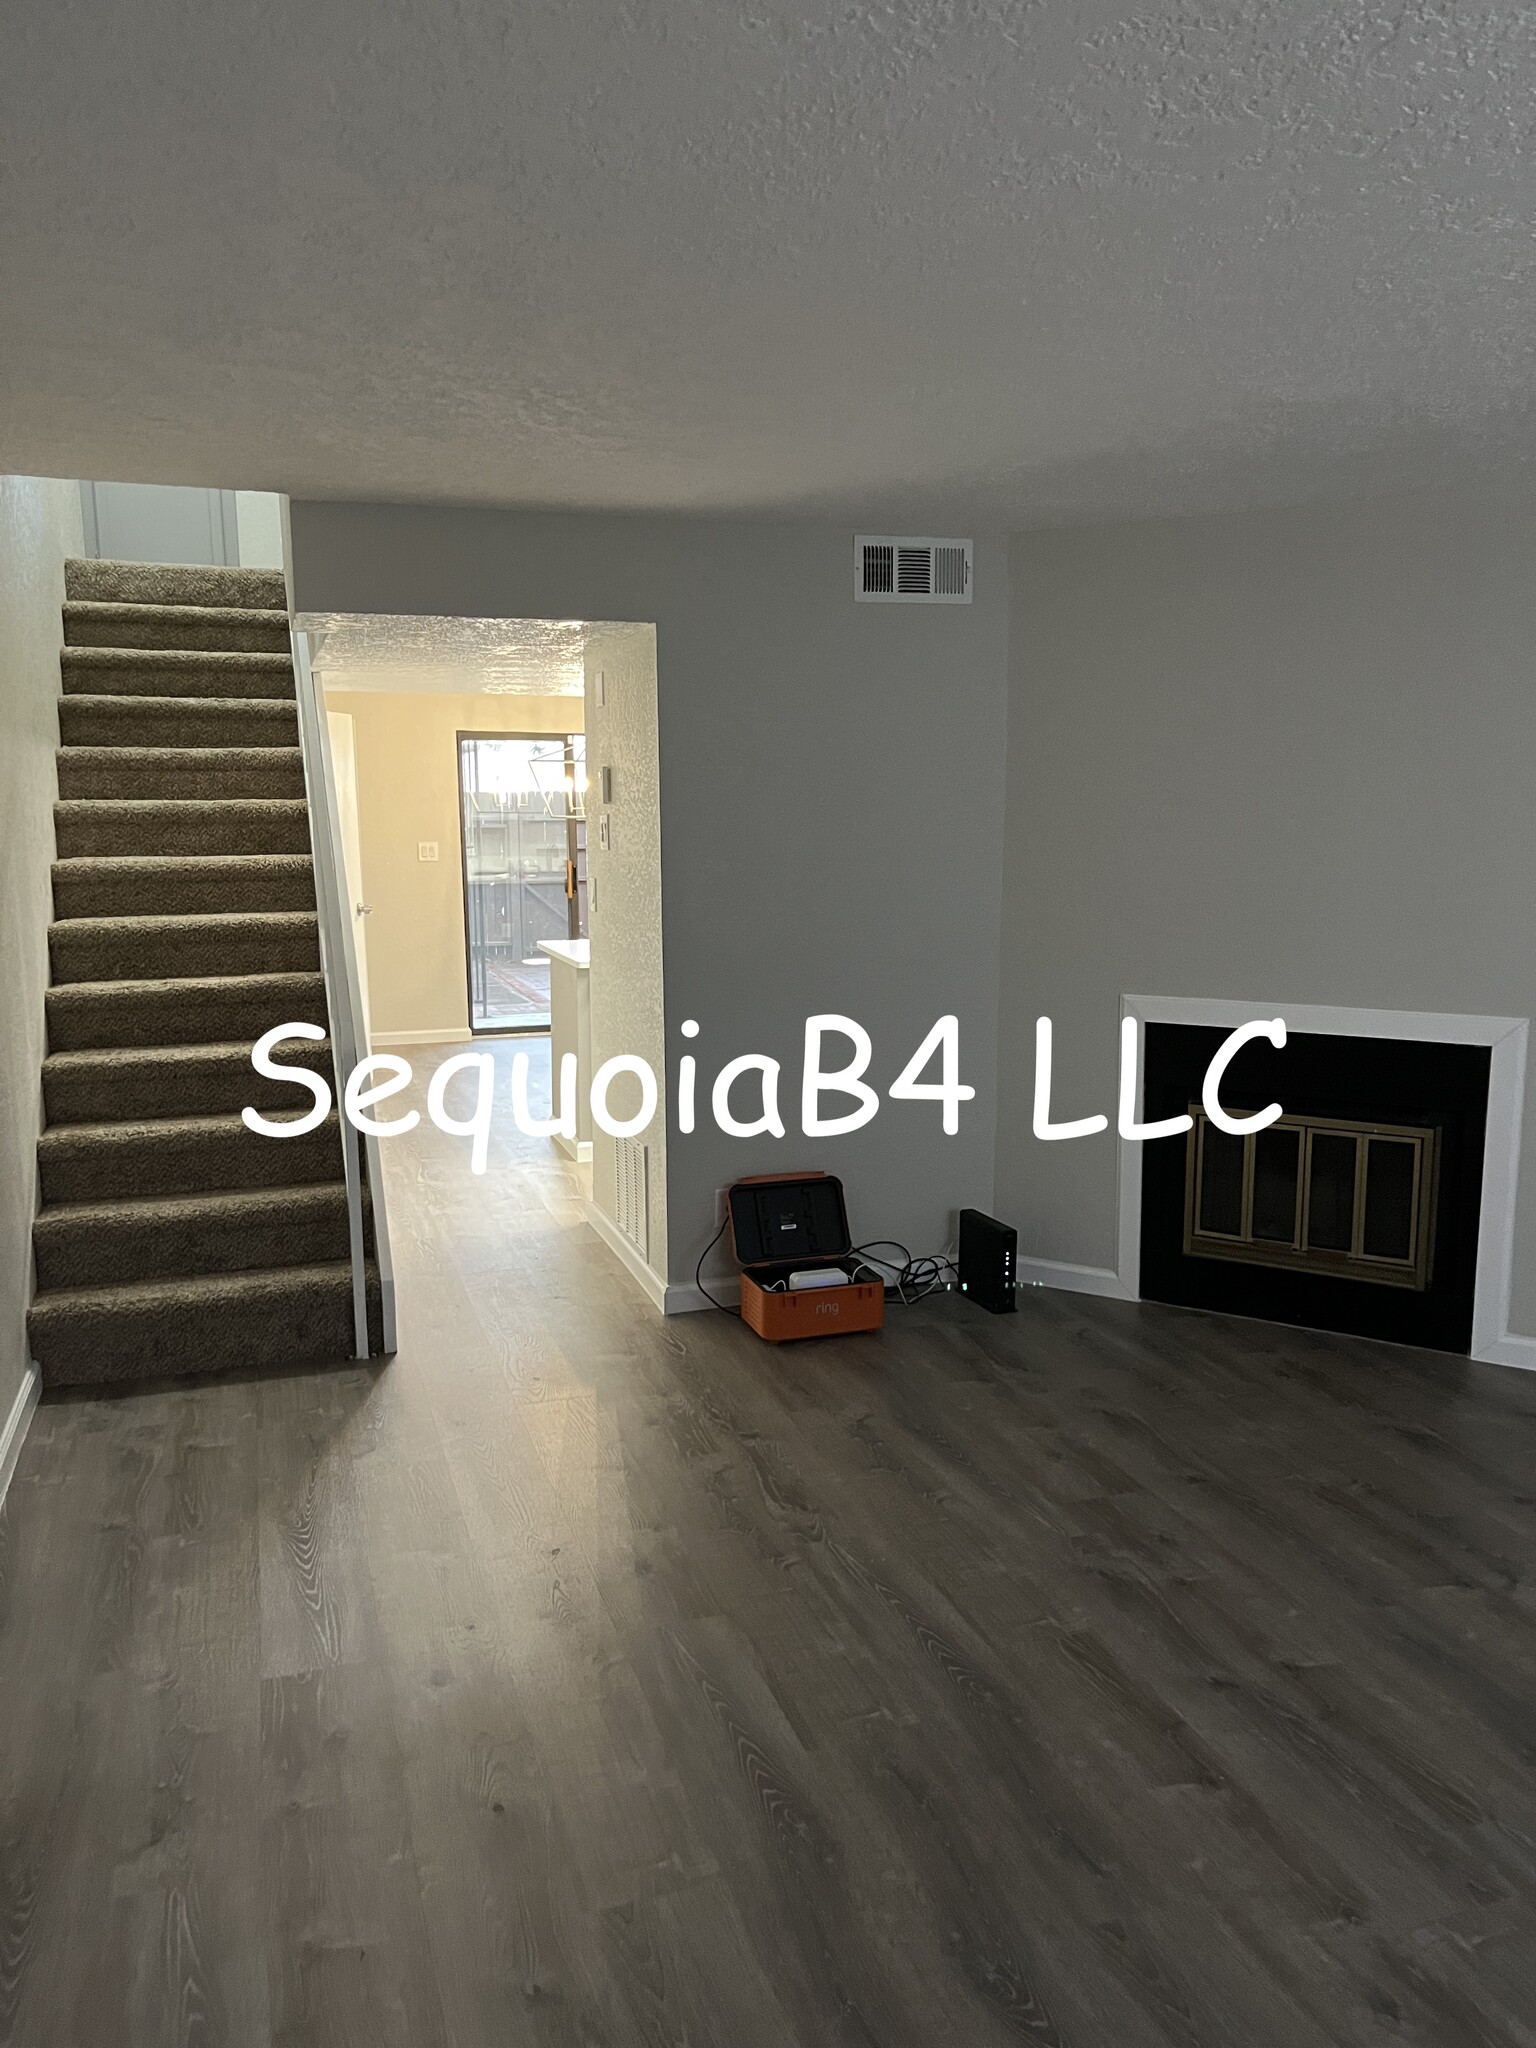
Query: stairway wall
[39, 527]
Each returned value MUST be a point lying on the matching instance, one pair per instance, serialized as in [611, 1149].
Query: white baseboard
[617, 1242]
[1509, 1350]
[672, 1297]
[17, 1423]
[448, 1034]
[1102, 1280]
[683, 1297]
[1506, 1350]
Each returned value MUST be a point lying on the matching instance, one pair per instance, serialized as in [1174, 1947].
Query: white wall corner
[647, 1275]
[1495, 1282]
[1509, 1350]
[1100, 1280]
[684, 1297]
[17, 1423]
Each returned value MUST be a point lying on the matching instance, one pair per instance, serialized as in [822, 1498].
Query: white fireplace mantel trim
[1492, 1339]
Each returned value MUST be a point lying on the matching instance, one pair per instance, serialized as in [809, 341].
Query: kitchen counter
[575, 952]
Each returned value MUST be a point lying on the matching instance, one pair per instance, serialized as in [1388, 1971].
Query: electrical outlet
[426, 849]
[605, 833]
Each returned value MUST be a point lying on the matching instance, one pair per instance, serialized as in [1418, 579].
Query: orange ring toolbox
[783, 1223]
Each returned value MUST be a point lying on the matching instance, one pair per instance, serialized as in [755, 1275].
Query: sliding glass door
[525, 860]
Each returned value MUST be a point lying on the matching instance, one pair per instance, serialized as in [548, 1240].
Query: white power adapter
[818, 1276]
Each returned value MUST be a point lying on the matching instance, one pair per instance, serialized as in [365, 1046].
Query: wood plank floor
[1100, 1675]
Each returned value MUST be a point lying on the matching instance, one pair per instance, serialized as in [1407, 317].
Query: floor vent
[632, 1192]
[890, 570]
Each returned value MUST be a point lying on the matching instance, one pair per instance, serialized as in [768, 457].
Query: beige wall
[407, 791]
[39, 526]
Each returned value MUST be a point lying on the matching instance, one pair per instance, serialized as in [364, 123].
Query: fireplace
[1358, 1211]
[1316, 1194]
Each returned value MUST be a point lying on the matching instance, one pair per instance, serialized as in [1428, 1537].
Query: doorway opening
[523, 848]
[460, 750]
[469, 742]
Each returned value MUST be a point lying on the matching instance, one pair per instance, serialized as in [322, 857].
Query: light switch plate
[604, 834]
[607, 785]
[426, 849]
[602, 686]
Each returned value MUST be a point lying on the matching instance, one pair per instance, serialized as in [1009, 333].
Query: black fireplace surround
[1384, 1080]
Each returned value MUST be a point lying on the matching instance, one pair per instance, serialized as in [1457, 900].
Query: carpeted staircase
[172, 1240]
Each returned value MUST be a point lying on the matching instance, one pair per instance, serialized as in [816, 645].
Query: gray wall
[807, 747]
[1280, 757]
[182, 523]
[160, 523]
[39, 526]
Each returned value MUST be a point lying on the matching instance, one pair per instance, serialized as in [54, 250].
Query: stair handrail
[343, 998]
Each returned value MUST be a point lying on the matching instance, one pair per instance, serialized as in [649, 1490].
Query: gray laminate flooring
[1101, 1675]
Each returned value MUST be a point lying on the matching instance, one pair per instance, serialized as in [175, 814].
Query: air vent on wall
[632, 1192]
[891, 570]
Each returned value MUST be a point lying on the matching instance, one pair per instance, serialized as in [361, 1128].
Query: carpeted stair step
[179, 1155]
[213, 629]
[94, 1087]
[91, 827]
[209, 1323]
[183, 948]
[179, 885]
[98, 582]
[152, 1237]
[217, 1010]
[178, 774]
[172, 1240]
[178, 722]
[173, 672]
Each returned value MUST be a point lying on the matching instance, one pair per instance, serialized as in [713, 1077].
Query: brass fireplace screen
[1315, 1194]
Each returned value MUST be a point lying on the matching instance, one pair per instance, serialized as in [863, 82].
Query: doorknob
[363, 909]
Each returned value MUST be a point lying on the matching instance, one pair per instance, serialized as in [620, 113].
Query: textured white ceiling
[1026, 261]
[507, 657]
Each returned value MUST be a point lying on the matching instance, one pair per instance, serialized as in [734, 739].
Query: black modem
[989, 1257]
